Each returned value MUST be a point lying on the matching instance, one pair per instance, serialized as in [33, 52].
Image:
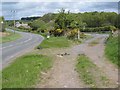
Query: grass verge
[94, 42]
[25, 71]
[10, 37]
[56, 42]
[91, 74]
[17, 29]
[83, 66]
[111, 50]
[0, 80]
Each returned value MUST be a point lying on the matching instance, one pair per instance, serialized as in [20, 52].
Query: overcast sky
[27, 9]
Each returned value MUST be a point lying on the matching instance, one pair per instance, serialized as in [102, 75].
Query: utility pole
[2, 27]
[77, 25]
[14, 18]
[78, 34]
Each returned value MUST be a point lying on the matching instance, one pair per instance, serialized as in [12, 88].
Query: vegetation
[10, 36]
[83, 67]
[62, 27]
[65, 22]
[55, 42]
[29, 18]
[94, 42]
[1, 80]
[68, 19]
[2, 24]
[20, 29]
[99, 29]
[90, 73]
[111, 50]
[25, 71]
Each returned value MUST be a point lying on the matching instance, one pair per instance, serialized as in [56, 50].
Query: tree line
[65, 22]
[2, 24]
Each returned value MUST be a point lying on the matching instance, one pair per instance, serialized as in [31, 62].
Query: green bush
[39, 30]
[55, 42]
[58, 32]
[72, 34]
[82, 35]
[2, 24]
[24, 29]
[111, 50]
[25, 71]
[98, 29]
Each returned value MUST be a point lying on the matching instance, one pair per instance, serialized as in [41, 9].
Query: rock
[39, 47]
[65, 86]
[62, 54]
[59, 55]
[65, 54]
[43, 73]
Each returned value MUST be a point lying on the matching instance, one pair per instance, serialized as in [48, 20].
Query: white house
[25, 25]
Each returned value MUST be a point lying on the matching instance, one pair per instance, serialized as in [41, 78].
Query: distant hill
[29, 18]
[46, 18]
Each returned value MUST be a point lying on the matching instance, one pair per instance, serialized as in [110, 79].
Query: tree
[50, 25]
[2, 24]
[48, 17]
[118, 21]
[37, 24]
[10, 23]
[61, 22]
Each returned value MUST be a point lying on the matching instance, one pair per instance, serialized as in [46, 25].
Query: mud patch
[3, 34]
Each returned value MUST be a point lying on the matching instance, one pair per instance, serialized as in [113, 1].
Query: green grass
[56, 42]
[25, 71]
[17, 29]
[93, 43]
[83, 66]
[0, 80]
[111, 50]
[10, 37]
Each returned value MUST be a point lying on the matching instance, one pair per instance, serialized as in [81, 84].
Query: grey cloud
[24, 9]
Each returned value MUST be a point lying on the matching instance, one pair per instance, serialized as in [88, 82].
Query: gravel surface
[63, 73]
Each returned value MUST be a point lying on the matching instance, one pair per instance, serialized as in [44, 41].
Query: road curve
[11, 50]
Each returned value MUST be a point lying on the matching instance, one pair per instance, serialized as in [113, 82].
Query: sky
[25, 8]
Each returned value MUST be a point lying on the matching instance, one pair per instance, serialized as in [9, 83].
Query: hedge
[98, 29]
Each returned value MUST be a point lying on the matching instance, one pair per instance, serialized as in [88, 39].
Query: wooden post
[78, 34]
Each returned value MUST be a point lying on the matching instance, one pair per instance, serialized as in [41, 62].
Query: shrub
[58, 32]
[24, 29]
[112, 50]
[99, 29]
[113, 28]
[72, 34]
[82, 35]
[39, 30]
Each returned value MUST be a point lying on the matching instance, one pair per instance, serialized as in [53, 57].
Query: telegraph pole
[14, 18]
[78, 34]
[77, 25]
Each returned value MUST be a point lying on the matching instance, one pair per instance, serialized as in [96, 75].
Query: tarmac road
[11, 50]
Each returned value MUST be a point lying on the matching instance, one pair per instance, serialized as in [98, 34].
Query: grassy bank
[25, 71]
[10, 37]
[56, 42]
[90, 73]
[0, 80]
[111, 50]
[17, 29]
[93, 43]
[83, 66]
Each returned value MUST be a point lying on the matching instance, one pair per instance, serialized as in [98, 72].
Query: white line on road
[18, 43]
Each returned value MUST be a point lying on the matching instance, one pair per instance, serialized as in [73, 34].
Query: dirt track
[63, 73]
